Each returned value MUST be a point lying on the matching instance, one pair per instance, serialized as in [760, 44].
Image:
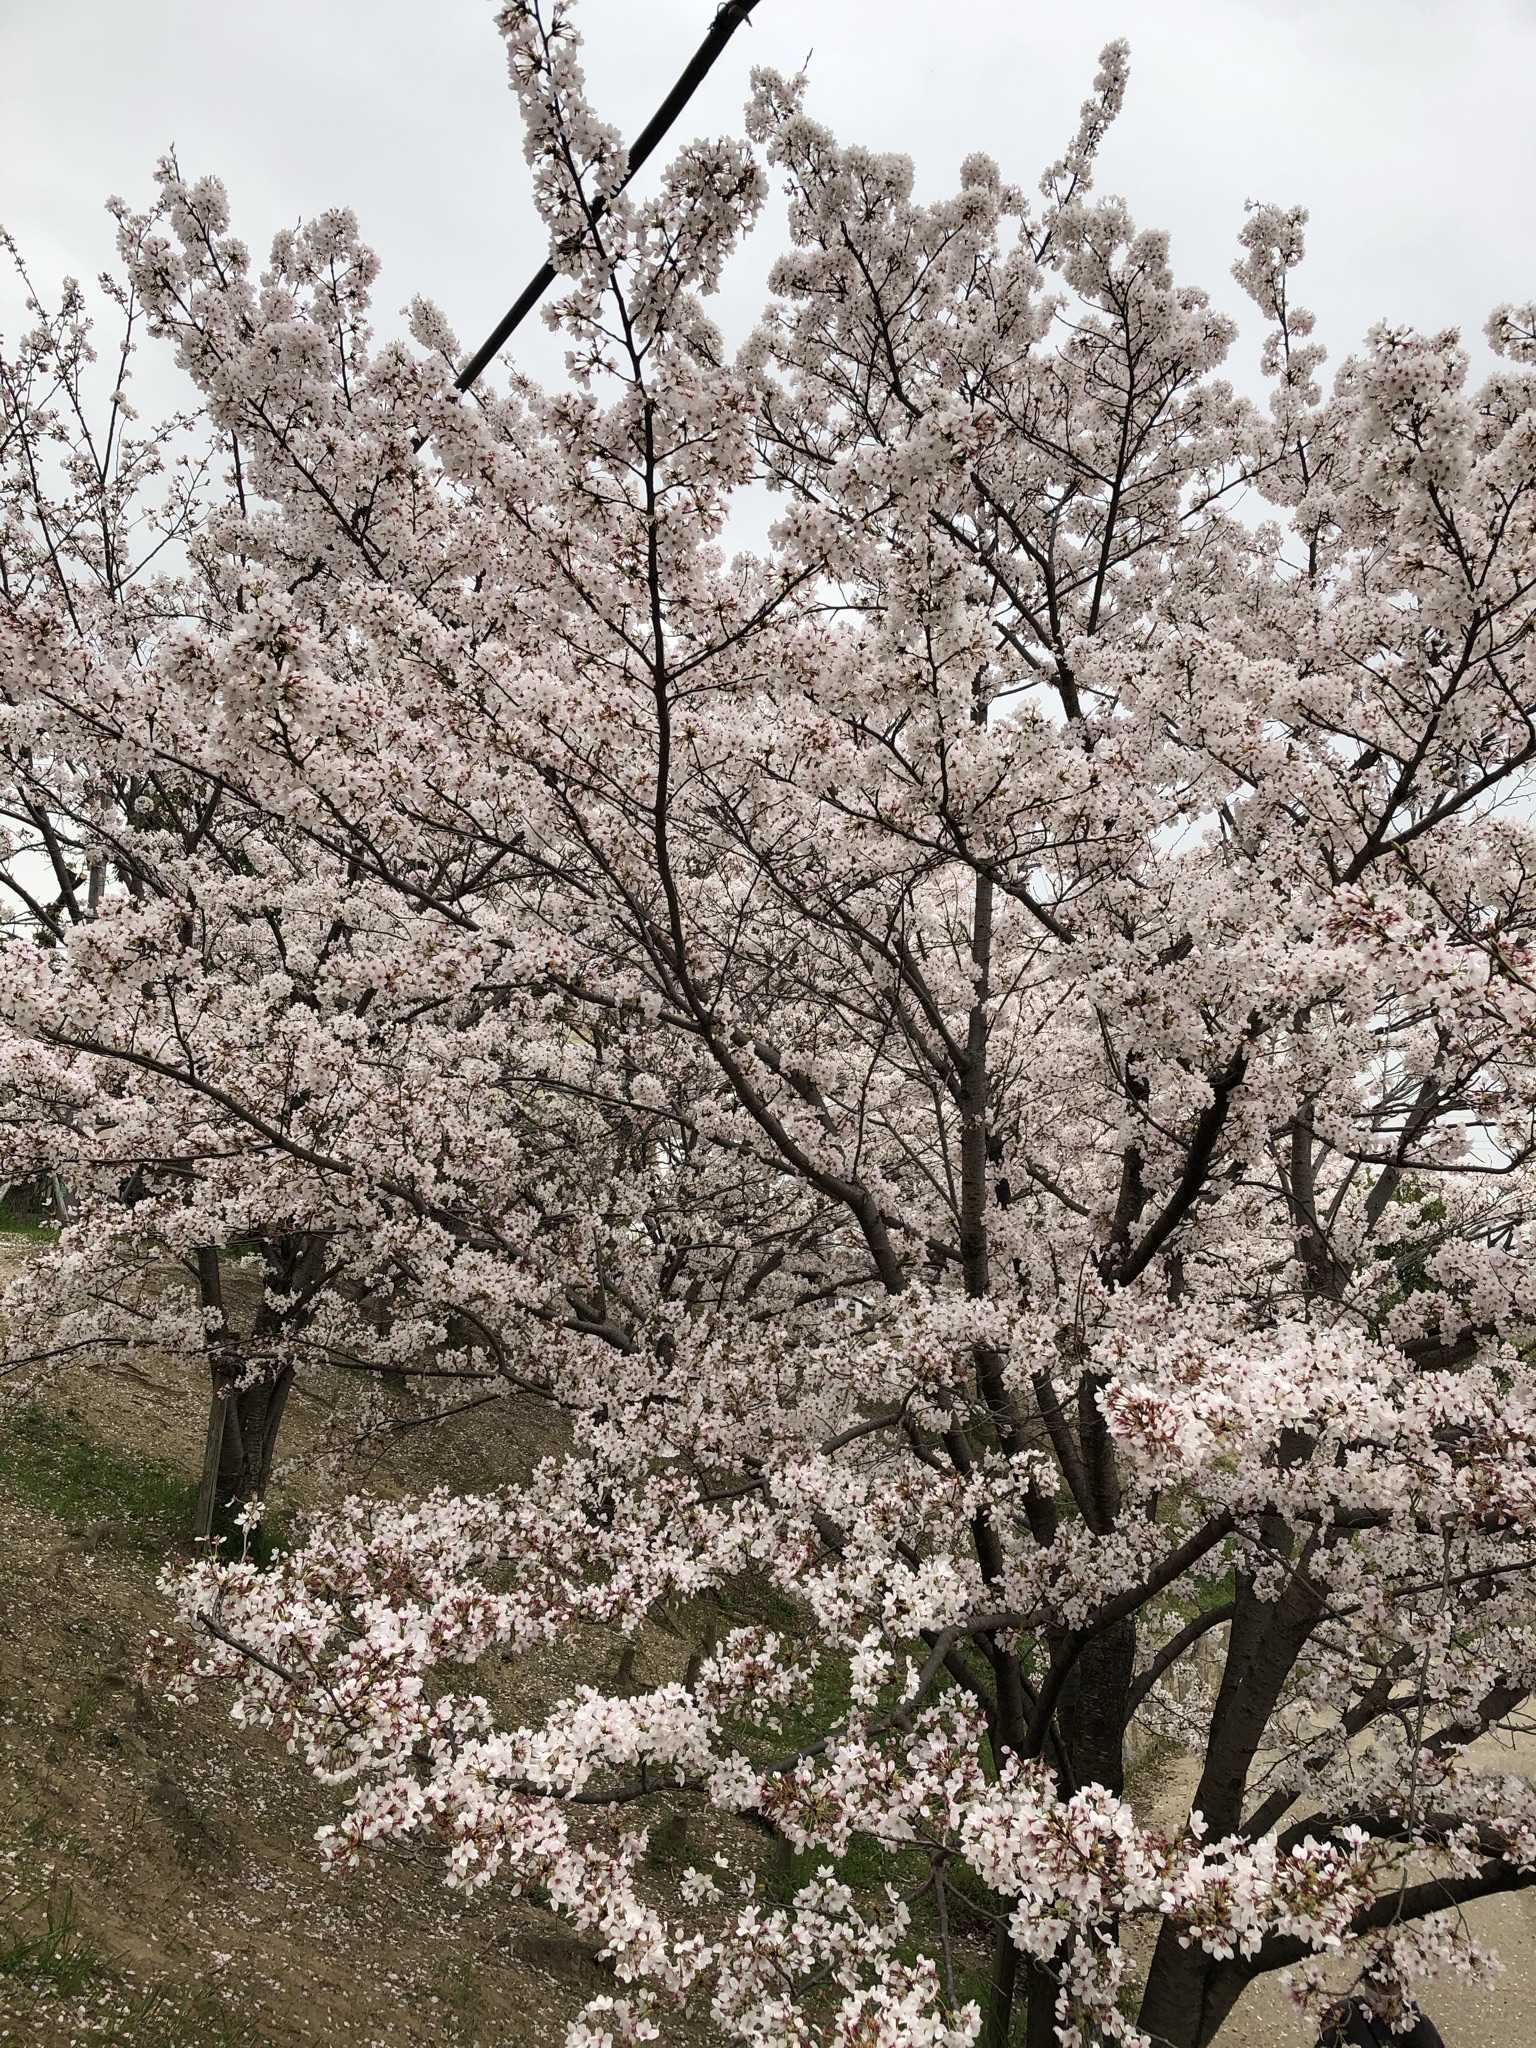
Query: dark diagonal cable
[725, 24]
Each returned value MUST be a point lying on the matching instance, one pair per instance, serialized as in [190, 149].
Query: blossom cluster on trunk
[979, 1054]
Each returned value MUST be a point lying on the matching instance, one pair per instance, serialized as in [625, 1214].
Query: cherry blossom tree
[980, 1055]
[91, 507]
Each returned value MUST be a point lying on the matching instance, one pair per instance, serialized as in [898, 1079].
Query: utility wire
[728, 19]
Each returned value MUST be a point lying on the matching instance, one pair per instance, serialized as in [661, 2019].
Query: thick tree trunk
[1095, 1708]
[1040, 2014]
[251, 1419]
[223, 1415]
[998, 2023]
[1189, 1994]
[1195, 1999]
[244, 1421]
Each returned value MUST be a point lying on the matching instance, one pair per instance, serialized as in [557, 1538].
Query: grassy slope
[159, 1885]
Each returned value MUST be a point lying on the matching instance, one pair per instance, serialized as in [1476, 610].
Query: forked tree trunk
[223, 1406]
[243, 1421]
[243, 1425]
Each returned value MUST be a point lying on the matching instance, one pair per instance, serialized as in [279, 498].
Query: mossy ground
[49, 1461]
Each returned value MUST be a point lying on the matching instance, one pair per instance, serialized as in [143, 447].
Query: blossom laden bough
[979, 1057]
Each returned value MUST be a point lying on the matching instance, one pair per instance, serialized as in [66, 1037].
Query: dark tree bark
[244, 1418]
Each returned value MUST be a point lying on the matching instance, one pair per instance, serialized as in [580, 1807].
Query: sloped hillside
[159, 1886]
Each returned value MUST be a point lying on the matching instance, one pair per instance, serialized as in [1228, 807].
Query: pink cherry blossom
[979, 1058]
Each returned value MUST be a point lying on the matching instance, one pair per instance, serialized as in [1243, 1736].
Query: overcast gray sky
[1408, 127]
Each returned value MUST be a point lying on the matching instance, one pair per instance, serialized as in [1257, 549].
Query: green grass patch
[163, 2017]
[54, 1974]
[43, 1950]
[49, 1463]
[16, 1220]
